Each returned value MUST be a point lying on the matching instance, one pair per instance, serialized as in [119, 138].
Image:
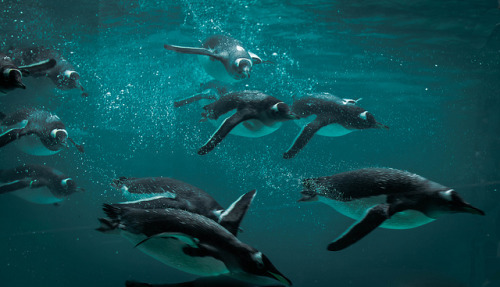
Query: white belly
[251, 128]
[357, 209]
[216, 69]
[32, 145]
[169, 251]
[331, 130]
[40, 195]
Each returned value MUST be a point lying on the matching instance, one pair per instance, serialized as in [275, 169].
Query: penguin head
[58, 137]
[15, 78]
[449, 201]
[69, 186]
[281, 111]
[69, 80]
[259, 270]
[241, 68]
[367, 120]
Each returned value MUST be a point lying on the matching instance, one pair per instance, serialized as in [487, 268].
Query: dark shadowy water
[428, 69]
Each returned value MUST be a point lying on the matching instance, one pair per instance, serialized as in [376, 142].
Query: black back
[42, 176]
[40, 123]
[367, 182]
[30, 55]
[248, 99]
[332, 109]
[187, 196]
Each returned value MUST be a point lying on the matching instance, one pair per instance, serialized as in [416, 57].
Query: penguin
[11, 75]
[384, 197]
[216, 281]
[333, 117]
[190, 242]
[223, 58]
[256, 114]
[63, 75]
[36, 132]
[37, 184]
[212, 91]
[165, 192]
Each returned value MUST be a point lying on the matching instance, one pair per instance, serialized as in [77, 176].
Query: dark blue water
[430, 70]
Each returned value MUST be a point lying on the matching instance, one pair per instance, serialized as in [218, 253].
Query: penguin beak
[381, 126]
[293, 116]
[280, 277]
[79, 86]
[21, 85]
[246, 73]
[471, 209]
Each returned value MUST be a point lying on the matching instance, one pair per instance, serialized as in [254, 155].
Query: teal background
[430, 70]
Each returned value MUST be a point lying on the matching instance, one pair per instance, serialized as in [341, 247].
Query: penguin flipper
[38, 67]
[191, 50]
[225, 128]
[373, 219]
[195, 98]
[9, 136]
[13, 132]
[258, 60]
[14, 185]
[303, 138]
[233, 215]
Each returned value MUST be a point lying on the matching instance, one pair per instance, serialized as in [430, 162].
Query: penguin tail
[206, 95]
[107, 226]
[111, 224]
[231, 217]
[112, 211]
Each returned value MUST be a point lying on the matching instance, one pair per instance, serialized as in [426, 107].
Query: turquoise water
[429, 70]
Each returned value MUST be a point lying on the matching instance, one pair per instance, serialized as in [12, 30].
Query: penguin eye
[67, 183]
[448, 195]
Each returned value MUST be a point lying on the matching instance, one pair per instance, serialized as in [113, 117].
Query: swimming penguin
[37, 183]
[63, 75]
[36, 132]
[388, 198]
[190, 242]
[11, 75]
[223, 57]
[216, 281]
[333, 117]
[165, 192]
[259, 114]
